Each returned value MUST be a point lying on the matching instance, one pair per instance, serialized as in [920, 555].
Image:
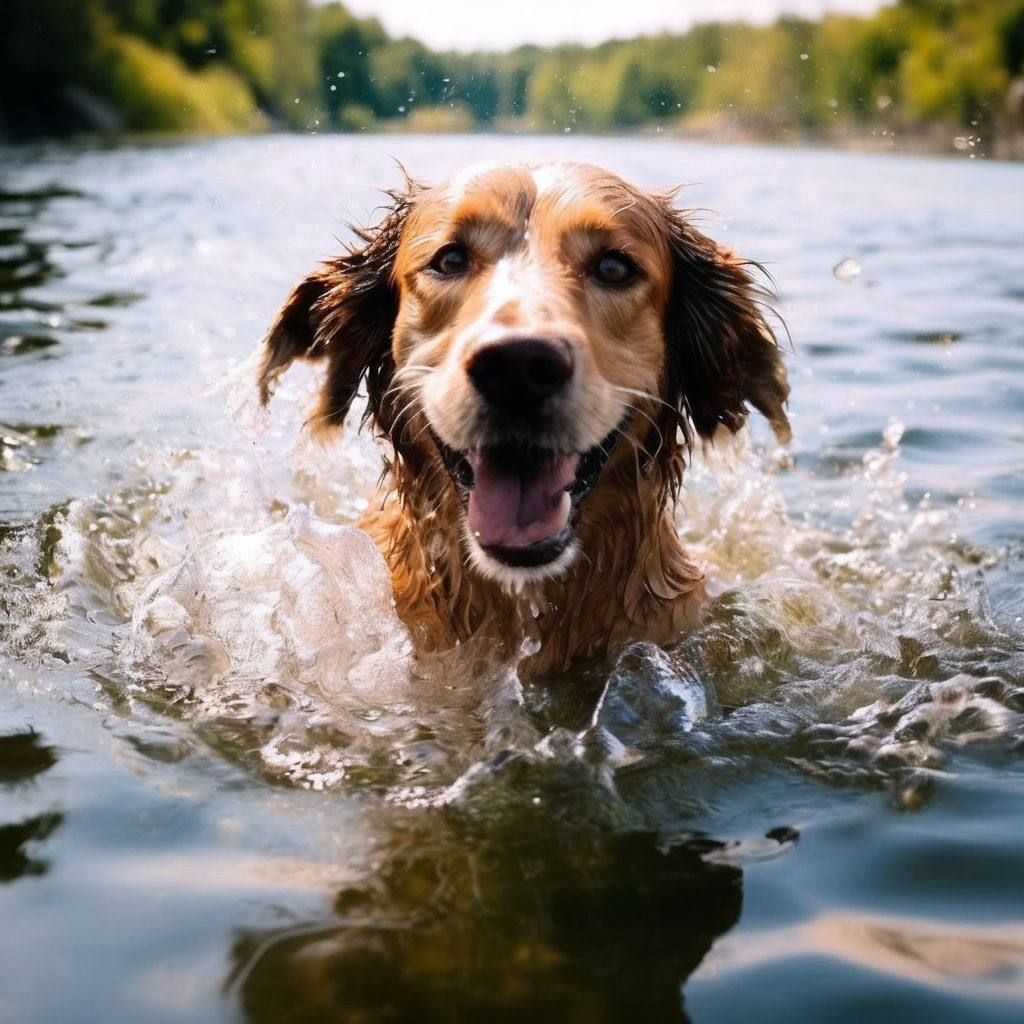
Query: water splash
[852, 643]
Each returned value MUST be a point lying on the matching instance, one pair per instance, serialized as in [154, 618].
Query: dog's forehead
[545, 206]
[517, 190]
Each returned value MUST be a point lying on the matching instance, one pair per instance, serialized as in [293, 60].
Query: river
[228, 793]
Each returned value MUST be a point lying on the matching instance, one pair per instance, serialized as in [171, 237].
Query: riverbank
[946, 139]
[912, 77]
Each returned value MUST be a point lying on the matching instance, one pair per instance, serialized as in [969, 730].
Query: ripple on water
[939, 337]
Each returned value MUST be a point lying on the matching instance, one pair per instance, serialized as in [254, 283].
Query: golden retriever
[540, 345]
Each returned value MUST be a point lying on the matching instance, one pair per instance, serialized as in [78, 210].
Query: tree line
[217, 66]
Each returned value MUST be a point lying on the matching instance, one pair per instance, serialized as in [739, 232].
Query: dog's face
[521, 324]
[529, 323]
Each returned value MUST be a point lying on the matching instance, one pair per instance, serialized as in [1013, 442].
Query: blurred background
[926, 75]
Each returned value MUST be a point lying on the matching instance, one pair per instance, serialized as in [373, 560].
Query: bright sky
[502, 24]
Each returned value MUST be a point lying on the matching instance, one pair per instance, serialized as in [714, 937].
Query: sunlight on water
[989, 961]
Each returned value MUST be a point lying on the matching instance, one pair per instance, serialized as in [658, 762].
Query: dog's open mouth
[520, 500]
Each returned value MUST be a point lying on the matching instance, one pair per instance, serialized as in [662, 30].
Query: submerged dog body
[539, 345]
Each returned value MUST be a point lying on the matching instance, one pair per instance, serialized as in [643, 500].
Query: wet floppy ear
[292, 334]
[722, 353]
[344, 313]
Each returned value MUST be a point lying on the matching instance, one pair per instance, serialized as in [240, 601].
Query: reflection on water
[23, 756]
[15, 841]
[464, 923]
[266, 805]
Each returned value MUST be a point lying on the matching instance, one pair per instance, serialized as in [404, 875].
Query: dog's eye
[614, 268]
[450, 261]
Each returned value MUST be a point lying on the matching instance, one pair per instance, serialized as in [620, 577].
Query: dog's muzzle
[520, 488]
[522, 502]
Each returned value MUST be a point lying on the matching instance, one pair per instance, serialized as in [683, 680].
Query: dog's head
[527, 326]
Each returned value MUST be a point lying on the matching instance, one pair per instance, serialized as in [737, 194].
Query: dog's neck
[631, 580]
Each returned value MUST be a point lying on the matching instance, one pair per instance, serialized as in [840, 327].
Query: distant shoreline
[930, 140]
[933, 141]
[920, 76]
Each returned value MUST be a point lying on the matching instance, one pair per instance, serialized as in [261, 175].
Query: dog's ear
[344, 313]
[722, 352]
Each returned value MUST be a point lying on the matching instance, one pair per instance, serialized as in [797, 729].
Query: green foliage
[354, 118]
[954, 69]
[154, 91]
[404, 73]
[345, 77]
[440, 120]
[230, 65]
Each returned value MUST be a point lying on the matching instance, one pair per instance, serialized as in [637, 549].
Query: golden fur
[678, 353]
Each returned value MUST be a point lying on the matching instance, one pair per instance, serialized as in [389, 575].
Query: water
[227, 791]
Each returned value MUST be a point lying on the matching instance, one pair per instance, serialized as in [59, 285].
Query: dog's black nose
[516, 374]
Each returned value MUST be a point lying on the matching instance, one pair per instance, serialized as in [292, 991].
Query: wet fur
[716, 354]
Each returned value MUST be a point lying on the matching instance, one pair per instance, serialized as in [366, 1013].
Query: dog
[541, 345]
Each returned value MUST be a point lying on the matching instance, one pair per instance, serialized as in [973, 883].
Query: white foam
[302, 602]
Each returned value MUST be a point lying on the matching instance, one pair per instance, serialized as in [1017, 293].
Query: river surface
[227, 791]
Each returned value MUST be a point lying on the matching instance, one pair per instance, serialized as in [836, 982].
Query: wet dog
[540, 345]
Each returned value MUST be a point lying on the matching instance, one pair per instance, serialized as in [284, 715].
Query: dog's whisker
[654, 426]
[644, 394]
[398, 378]
[400, 416]
[398, 387]
[640, 412]
[412, 368]
[636, 447]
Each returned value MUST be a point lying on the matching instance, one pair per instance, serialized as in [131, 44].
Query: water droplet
[892, 435]
[846, 270]
[334, 88]
[805, 56]
[341, 74]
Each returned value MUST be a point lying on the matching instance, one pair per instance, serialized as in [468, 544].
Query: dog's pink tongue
[514, 508]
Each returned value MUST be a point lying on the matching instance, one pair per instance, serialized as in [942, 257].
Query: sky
[502, 24]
